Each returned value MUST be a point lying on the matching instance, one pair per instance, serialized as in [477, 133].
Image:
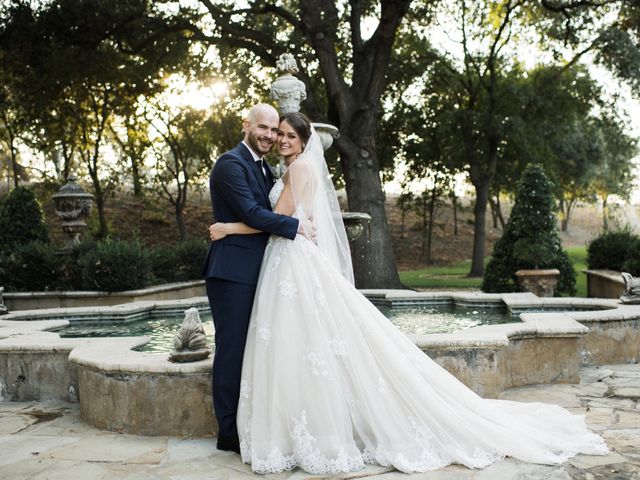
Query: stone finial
[191, 342]
[631, 289]
[287, 91]
[3, 307]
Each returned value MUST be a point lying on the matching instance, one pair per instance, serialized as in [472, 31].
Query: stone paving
[49, 441]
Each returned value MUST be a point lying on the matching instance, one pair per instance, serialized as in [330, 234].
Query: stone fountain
[72, 206]
[288, 91]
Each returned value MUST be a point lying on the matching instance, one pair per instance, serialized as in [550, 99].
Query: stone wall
[523, 361]
[38, 375]
[148, 404]
[71, 299]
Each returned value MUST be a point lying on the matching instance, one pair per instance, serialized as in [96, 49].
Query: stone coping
[165, 287]
[20, 331]
[550, 272]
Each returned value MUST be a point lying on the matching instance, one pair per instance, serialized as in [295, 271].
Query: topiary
[610, 250]
[21, 220]
[115, 265]
[530, 239]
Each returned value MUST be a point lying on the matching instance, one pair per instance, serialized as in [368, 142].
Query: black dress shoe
[228, 444]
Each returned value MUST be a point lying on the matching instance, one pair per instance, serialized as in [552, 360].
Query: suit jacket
[240, 193]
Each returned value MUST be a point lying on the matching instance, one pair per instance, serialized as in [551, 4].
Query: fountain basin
[138, 392]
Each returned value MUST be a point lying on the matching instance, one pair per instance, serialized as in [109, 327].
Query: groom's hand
[217, 231]
[307, 229]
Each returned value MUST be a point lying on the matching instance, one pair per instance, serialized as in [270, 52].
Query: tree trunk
[14, 167]
[454, 202]
[423, 213]
[432, 209]
[137, 183]
[566, 209]
[605, 213]
[479, 228]
[182, 231]
[499, 212]
[373, 258]
[103, 231]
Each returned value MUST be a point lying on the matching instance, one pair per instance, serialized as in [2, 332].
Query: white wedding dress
[329, 384]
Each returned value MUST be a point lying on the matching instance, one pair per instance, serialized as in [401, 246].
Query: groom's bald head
[261, 128]
[262, 110]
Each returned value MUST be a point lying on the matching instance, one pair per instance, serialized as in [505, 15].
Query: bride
[329, 384]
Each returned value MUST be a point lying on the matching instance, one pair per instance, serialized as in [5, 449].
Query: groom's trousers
[231, 305]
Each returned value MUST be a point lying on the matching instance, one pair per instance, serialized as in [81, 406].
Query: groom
[240, 184]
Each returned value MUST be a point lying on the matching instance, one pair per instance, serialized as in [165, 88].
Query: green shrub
[632, 263]
[115, 265]
[610, 250]
[164, 264]
[180, 263]
[191, 255]
[34, 266]
[21, 220]
[71, 266]
[530, 239]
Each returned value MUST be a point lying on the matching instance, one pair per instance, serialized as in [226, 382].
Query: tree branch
[564, 6]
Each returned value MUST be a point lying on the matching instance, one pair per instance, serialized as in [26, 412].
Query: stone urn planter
[72, 206]
[540, 282]
[604, 283]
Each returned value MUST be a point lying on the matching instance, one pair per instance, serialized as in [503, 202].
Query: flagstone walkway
[49, 441]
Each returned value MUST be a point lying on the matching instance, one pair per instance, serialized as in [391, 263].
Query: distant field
[455, 276]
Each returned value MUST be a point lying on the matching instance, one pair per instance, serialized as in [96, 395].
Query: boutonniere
[278, 169]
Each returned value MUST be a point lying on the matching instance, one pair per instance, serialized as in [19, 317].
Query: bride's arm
[285, 205]
[219, 230]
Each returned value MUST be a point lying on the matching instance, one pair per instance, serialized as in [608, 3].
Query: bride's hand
[218, 231]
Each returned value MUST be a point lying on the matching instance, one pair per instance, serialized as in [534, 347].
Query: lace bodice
[275, 192]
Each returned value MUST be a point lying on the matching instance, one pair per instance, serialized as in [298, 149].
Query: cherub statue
[631, 289]
[287, 64]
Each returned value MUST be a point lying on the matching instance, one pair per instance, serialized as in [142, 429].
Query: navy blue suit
[239, 193]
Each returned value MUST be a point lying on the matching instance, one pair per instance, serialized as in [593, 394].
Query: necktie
[262, 167]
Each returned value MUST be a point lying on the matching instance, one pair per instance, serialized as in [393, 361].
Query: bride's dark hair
[300, 123]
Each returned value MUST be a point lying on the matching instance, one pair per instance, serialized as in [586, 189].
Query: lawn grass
[455, 276]
[578, 256]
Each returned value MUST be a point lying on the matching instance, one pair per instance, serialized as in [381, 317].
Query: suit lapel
[255, 168]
